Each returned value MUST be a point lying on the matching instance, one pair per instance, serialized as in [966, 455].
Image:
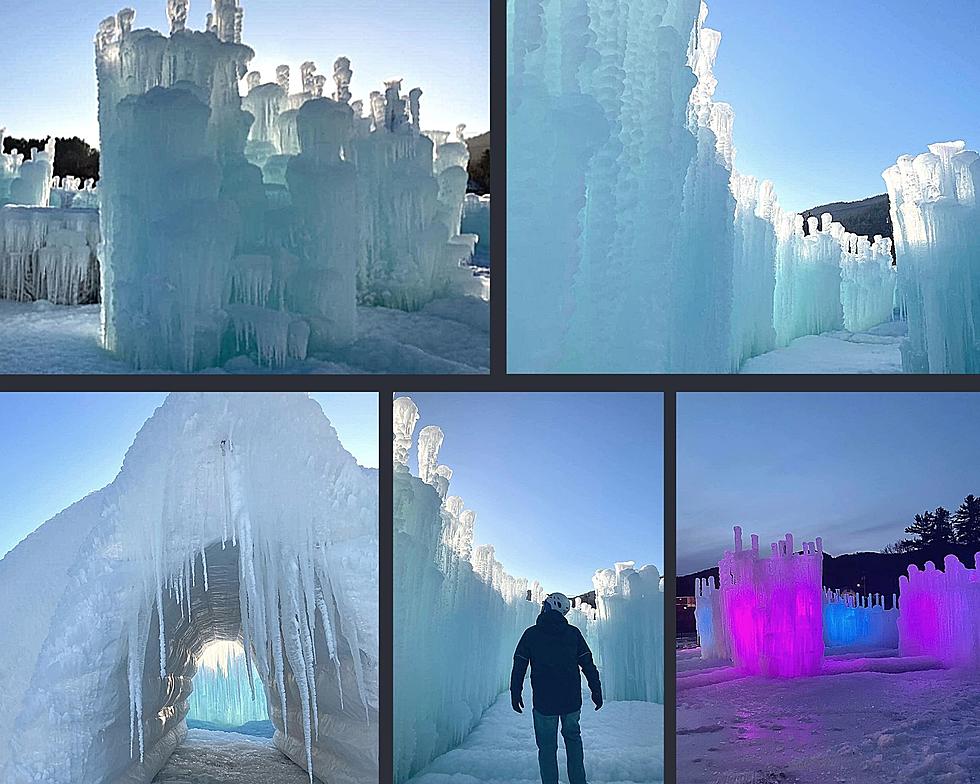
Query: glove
[597, 700]
[517, 701]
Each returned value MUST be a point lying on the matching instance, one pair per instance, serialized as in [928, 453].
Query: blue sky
[852, 468]
[59, 447]
[828, 95]
[47, 70]
[562, 484]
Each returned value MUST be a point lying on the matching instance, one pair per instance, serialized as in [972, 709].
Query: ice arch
[258, 487]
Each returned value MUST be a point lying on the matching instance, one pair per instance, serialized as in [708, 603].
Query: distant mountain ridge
[866, 218]
[479, 169]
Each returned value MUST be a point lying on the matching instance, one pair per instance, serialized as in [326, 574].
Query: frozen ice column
[324, 190]
[772, 607]
[937, 240]
[172, 127]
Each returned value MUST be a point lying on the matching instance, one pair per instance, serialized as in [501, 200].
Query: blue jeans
[546, 736]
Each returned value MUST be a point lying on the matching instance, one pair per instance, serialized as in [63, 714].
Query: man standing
[556, 651]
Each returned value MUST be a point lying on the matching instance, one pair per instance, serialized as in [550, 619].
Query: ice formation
[26, 181]
[660, 256]
[940, 612]
[222, 692]
[49, 253]
[296, 205]
[626, 632]
[935, 214]
[771, 608]
[236, 517]
[713, 637]
[459, 614]
[859, 622]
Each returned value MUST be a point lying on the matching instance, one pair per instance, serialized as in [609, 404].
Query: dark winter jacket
[556, 650]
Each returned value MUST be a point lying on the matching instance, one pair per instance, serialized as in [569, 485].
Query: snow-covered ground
[623, 745]
[874, 351]
[447, 336]
[920, 726]
[207, 757]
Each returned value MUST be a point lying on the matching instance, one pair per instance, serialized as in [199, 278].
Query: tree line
[73, 157]
[940, 526]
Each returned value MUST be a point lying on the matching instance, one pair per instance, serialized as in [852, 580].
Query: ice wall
[49, 253]
[859, 622]
[940, 612]
[772, 607]
[476, 220]
[457, 614]
[628, 634]
[222, 693]
[234, 517]
[659, 256]
[935, 214]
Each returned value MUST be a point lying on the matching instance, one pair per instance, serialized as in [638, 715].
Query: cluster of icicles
[282, 589]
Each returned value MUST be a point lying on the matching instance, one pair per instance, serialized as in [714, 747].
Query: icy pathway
[921, 727]
[623, 745]
[447, 336]
[875, 351]
[207, 757]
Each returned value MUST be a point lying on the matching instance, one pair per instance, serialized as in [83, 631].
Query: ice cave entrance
[226, 696]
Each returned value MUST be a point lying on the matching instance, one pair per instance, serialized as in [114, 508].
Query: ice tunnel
[234, 517]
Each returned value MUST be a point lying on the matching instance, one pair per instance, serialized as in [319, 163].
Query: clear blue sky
[852, 468]
[828, 94]
[47, 69]
[59, 447]
[562, 484]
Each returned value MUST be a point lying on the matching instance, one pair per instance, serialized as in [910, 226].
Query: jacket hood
[551, 621]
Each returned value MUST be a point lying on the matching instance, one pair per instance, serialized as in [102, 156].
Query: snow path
[207, 757]
[875, 351]
[623, 745]
[921, 727]
[447, 336]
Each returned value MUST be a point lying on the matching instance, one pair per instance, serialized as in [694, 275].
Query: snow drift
[234, 517]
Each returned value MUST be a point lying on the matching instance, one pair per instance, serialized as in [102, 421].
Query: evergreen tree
[921, 529]
[967, 521]
[942, 527]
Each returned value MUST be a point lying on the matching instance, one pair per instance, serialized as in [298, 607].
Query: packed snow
[446, 336]
[659, 255]
[903, 727]
[877, 351]
[443, 585]
[235, 517]
[207, 757]
[623, 745]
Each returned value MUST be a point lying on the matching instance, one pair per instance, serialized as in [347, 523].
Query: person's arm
[591, 671]
[522, 658]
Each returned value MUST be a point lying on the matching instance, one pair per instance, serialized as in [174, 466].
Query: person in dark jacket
[555, 650]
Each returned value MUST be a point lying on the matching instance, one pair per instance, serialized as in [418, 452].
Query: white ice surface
[876, 351]
[207, 757]
[623, 745]
[447, 336]
[921, 727]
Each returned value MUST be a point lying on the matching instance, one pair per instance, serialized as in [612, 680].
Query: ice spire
[342, 75]
[177, 11]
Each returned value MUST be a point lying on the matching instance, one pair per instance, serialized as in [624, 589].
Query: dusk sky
[852, 468]
[562, 484]
[59, 447]
[828, 95]
[47, 64]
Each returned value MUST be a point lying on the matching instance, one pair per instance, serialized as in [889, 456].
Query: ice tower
[772, 607]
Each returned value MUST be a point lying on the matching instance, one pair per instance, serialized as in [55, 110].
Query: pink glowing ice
[772, 608]
[940, 612]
